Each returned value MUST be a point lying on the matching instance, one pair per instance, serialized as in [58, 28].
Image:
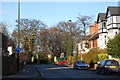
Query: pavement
[30, 72]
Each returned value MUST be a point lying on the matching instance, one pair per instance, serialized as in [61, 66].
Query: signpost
[18, 49]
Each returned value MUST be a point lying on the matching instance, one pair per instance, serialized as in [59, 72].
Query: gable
[108, 14]
[99, 20]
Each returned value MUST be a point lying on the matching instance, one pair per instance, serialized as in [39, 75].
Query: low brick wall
[9, 65]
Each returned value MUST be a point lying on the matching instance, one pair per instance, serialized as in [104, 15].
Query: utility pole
[18, 33]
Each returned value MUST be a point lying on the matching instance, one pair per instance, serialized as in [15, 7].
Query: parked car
[108, 66]
[80, 64]
[61, 62]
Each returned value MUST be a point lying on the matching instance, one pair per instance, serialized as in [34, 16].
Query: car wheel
[97, 71]
[102, 71]
[74, 67]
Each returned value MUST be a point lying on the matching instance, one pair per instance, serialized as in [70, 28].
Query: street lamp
[18, 33]
[118, 12]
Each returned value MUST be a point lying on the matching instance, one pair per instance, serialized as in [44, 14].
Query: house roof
[85, 37]
[114, 10]
[94, 36]
[102, 17]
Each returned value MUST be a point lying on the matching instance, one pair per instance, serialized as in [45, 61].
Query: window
[101, 62]
[104, 25]
[80, 62]
[118, 19]
[105, 41]
[112, 63]
[118, 26]
[105, 36]
[86, 45]
[81, 46]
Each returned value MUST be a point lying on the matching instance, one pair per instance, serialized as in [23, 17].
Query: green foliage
[102, 56]
[74, 58]
[43, 60]
[52, 60]
[35, 55]
[113, 46]
[69, 47]
[95, 58]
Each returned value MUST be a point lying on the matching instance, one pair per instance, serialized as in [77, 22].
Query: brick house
[93, 40]
[106, 27]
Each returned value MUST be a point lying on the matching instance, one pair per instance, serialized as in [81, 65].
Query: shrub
[102, 56]
[95, 58]
[92, 55]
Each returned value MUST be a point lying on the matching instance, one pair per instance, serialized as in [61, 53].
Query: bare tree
[84, 22]
[29, 32]
[51, 41]
[71, 34]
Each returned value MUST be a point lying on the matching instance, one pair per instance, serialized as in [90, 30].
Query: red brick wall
[93, 29]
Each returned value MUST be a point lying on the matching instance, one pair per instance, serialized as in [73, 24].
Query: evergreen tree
[113, 46]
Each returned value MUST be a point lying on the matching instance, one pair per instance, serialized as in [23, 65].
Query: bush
[92, 55]
[95, 58]
[102, 56]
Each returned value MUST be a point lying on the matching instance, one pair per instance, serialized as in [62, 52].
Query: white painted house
[108, 25]
[82, 47]
[113, 20]
[102, 30]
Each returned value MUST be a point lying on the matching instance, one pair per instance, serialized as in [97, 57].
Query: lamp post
[70, 24]
[119, 12]
[18, 33]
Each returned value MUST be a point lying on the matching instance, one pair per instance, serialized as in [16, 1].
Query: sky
[51, 12]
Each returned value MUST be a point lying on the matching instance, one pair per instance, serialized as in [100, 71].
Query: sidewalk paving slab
[28, 73]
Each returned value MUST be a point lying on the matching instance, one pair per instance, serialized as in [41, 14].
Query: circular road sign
[18, 49]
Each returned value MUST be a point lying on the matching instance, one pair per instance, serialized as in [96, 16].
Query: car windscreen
[112, 63]
[80, 62]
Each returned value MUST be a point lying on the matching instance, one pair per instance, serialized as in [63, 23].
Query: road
[57, 72]
[61, 72]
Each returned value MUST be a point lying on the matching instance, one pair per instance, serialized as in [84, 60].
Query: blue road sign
[18, 49]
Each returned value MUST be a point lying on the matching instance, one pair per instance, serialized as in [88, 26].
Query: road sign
[18, 49]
